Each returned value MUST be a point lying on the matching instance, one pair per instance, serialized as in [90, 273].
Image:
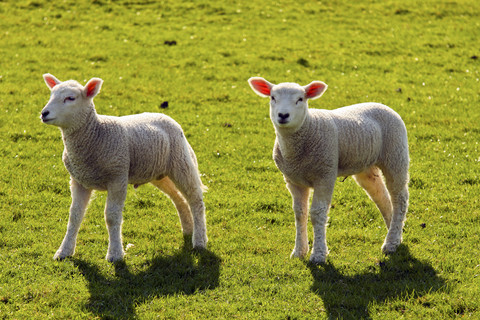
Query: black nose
[45, 114]
[283, 116]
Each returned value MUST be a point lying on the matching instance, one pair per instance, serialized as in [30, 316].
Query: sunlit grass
[419, 57]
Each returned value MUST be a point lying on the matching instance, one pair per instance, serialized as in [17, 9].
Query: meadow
[419, 57]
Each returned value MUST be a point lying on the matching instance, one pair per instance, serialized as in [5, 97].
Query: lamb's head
[288, 101]
[68, 100]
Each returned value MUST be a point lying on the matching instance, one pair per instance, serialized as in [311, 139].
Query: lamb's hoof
[300, 254]
[115, 257]
[60, 255]
[200, 247]
[199, 243]
[389, 248]
[318, 258]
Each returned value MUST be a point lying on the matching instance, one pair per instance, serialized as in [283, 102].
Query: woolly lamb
[108, 153]
[313, 147]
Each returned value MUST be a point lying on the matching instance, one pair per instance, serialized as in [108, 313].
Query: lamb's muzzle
[283, 118]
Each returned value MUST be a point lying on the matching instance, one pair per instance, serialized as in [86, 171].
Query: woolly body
[313, 147]
[109, 147]
[330, 142]
[107, 153]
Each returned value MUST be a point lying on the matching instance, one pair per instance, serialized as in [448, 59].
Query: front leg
[300, 207]
[117, 192]
[80, 198]
[322, 197]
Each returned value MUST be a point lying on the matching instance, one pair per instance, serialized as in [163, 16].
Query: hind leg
[191, 187]
[397, 185]
[168, 187]
[371, 181]
[194, 196]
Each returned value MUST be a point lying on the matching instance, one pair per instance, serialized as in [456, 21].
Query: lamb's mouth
[45, 120]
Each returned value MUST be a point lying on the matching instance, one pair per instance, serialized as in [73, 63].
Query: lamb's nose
[283, 116]
[45, 114]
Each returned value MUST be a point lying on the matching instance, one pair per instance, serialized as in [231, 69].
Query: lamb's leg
[184, 213]
[398, 187]
[322, 197]
[80, 198]
[195, 200]
[191, 188]
[371, 181]
[300, 208]
[117, 193]
[184, 175]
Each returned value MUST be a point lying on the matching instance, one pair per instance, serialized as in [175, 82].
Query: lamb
[313, 147]
[108, 153]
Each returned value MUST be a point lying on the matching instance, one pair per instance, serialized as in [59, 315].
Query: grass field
[419, 57]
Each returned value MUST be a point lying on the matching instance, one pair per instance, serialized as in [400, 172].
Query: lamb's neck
[84, 129]
[290, 141]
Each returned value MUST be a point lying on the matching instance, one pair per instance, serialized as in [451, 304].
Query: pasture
[421, 58]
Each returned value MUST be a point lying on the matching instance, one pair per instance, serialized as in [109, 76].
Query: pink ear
[50, 80]
[260, 86]
[315, 89]
[92, 88]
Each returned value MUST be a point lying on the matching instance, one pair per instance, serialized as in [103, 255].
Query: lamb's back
[152, 137]
[364, 130]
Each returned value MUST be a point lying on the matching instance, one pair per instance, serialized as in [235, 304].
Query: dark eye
[273, 98]
[299, 100]
[69, 99]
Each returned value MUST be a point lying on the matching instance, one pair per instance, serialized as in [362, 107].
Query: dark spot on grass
[423, 225]
[35, 4]
[16, 216]
[303, 62]
[98, 58]
[227, 125]
[474, 57]
[170, 42]
[470, 181]
[402, 11]
[164, 105]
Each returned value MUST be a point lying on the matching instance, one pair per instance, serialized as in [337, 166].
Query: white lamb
[108, 153]
[313, 147]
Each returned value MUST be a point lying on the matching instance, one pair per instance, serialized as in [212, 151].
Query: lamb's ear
[92, 88]
[50, 80]
[261, 86]
[315, 89]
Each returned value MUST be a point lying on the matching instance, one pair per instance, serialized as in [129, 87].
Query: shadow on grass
[186, 272]
[399, 276]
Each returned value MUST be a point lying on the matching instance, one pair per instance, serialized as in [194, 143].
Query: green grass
[419, 57]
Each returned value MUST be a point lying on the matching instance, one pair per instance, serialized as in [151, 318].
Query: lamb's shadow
[186, 272]
[399, 276]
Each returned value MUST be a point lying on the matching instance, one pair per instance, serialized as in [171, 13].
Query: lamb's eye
[69, 99]
[299, 100]
[273, 98]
